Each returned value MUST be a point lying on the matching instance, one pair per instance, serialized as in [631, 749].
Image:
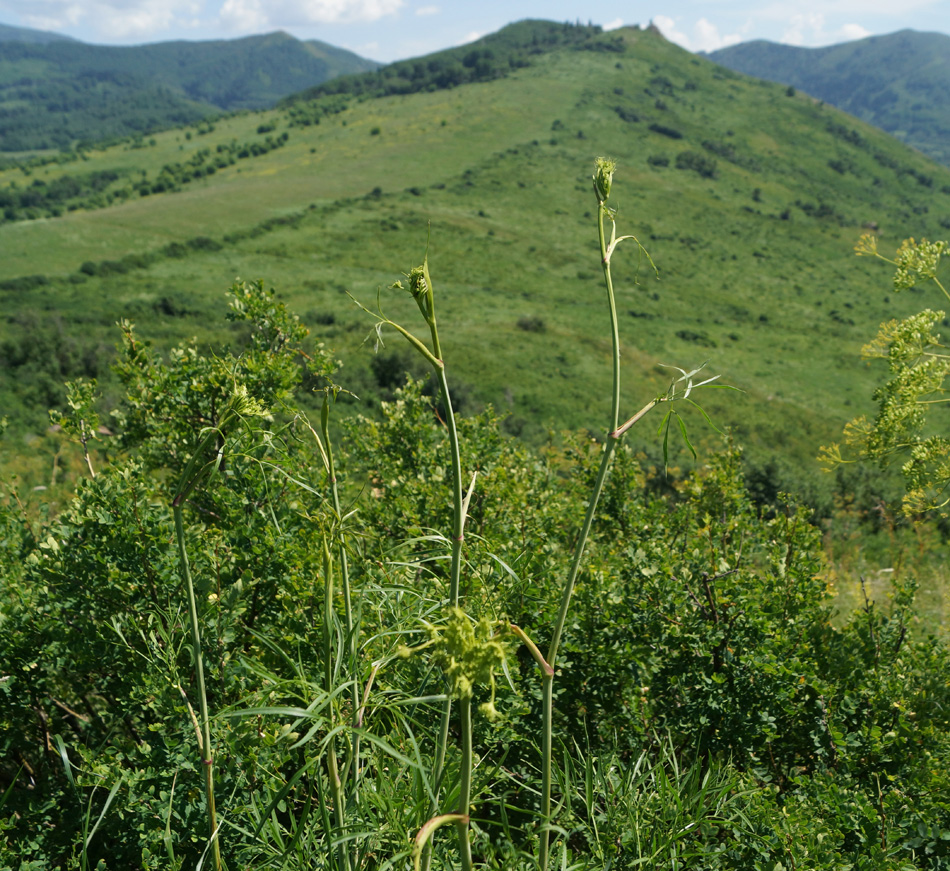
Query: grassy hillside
[749, 200]
[899, 82]
[53, 94]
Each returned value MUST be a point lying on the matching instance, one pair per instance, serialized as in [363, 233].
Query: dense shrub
[698, 163]
[702, 638]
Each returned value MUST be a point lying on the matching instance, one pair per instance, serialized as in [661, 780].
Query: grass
[779, 306]
[707, 711]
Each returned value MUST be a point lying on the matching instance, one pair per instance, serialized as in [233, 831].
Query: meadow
[295, 609]
[756, 271]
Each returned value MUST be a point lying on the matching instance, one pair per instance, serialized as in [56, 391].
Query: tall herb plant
[468, 661]
[919, 364]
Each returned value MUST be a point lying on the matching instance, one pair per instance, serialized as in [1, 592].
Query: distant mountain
[899, 82]
[56, 92]
[8, 33]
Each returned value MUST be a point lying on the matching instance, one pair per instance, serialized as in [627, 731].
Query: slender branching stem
[420, 285]
[205, 734]
[84, 441]
[458, 526]
[458, 511]
[606, 249]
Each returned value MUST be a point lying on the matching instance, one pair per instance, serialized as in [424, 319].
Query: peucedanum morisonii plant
[456, 647]
[919, 364]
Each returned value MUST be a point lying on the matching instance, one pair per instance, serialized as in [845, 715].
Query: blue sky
[387, 30]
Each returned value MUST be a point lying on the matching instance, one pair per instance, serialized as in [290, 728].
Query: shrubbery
[708, 712]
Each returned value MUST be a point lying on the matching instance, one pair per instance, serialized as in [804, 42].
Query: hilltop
[899, 82]
[55, 92]
[749, 199]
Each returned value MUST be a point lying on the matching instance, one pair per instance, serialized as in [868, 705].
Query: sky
[388, 30]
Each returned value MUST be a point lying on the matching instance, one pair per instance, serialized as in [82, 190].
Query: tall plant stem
[188, 481]
[465, 784]
[333, 773]
[458, 527]
[206, 757]
[568, 590]
[458, 510]
[352, 768]
[420, 286]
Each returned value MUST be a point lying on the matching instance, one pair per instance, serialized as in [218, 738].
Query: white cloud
[708, 37]
[428, 10]
[613, 25]
[245, 16]
[470, 37]
[113, 19]
[668, 28]
[854, 31]
[805, 29]
[705, 34]
[144, 19]
[288, 13]
[810, 29]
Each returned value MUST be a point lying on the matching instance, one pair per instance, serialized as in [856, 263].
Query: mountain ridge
[55, 93]
[899, 82]
[9, 33]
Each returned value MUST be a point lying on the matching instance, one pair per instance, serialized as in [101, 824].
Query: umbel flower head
[468, 653]
[604, 169]
[916, 262]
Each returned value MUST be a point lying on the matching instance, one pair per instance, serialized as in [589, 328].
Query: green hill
[55, 93]
[26, 34]
[899, 82]
[491, 57]
[750, 201]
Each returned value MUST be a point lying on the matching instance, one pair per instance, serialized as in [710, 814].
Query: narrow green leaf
[679, 420]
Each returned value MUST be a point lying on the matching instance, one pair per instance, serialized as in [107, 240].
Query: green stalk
[602, 181]
[186, 484]
[420, 285]
[352, 767]
[333, 772]
[206, 758]
[458, 526]
[458, 511]
[465, 786]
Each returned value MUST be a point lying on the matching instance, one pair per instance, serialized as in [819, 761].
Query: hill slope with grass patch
[899, 82]
[748, 199]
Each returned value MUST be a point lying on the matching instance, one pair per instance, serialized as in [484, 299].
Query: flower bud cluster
[916, 262]
[604, 169]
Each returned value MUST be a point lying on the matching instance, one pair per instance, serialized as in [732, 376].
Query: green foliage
[99, 190]
[778, 280]
[708, 709]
